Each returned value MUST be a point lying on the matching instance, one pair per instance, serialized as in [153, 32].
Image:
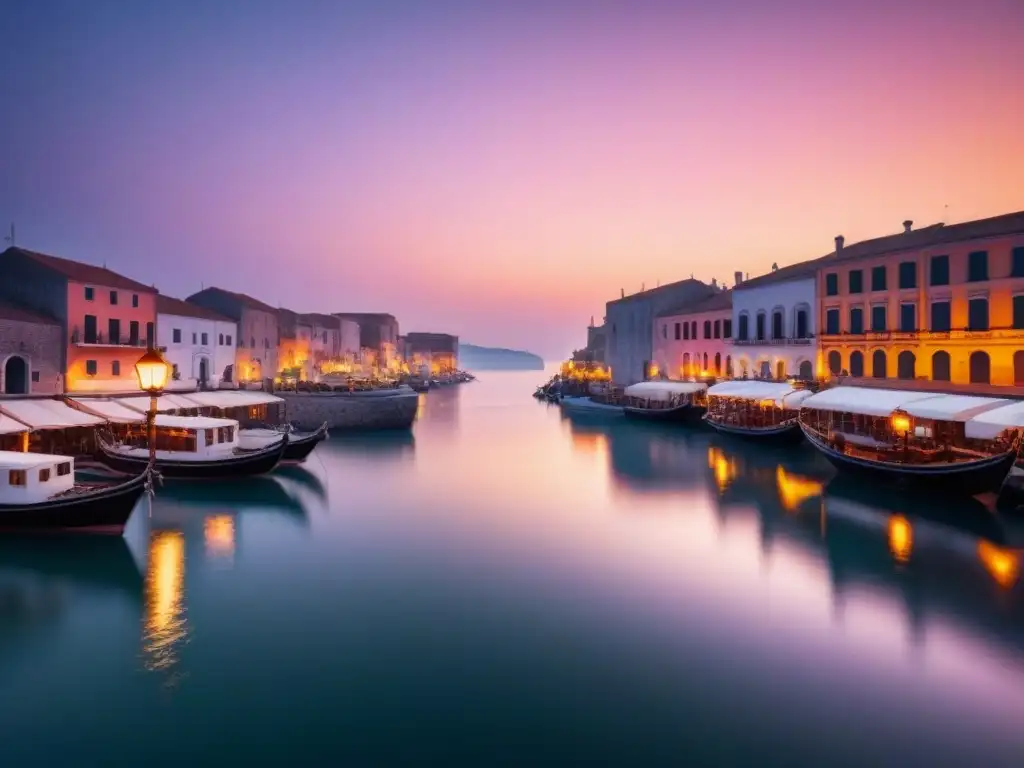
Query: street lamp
[152, 371]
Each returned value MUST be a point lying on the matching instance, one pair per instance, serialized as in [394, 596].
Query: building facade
[198, 343]
[310, 344]
[106, 320]
[773, 321]
[629, 349]
[695, 340]
[378, 337]
[30, 359]
[439, 351]
[941, 303]
[258, 334]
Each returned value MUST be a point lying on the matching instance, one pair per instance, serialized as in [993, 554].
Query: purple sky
[496, 170]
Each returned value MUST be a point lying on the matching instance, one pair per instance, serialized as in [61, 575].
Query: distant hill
[473, 357]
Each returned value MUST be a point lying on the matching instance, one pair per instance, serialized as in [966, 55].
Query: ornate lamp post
[152, 371]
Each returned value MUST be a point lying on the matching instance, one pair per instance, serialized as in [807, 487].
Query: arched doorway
[1018, 367]
[806, 371]
[857, 363]
[718, 363]
[204, 372]
[766, 370]
[780, 370]
[906, 365]
[940, 366]
[16, 376]
[835, 362]
[980, 368]
[878, 364]
[229, 371]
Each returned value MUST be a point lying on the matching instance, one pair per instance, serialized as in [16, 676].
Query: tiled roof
[241, 298]
[79, 272]
[721, 301]
[11, 312]
[651, 292]
[165, 305]
[798, 271]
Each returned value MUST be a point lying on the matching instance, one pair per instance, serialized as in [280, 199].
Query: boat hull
[101, 511]
[298, 448]
[964, 478]
[789, 433]
[686, 414]
[584, 406]
[239, 465]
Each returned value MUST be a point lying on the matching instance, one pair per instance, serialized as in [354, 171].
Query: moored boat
[300, 444]
[764, 410]
[192, 448]
[933, 441]
[666, 400]
[590, 406]
[38, 493]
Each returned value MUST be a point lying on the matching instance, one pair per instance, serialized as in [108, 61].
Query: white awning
[231, 398]
[867, 401]
[9, 426]
[47, 414]
[953, 407]
[797, 399]
[110, 410]
[166, 402]
[782, 393]
[663, 391]
[988, 425]
[193, 422]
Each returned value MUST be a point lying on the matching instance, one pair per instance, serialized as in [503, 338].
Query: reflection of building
[30, 346]
[219, 537]
[106, 318]
[440, 351]
[944, 303]
[166, 626]
[695, 339]
[378, 336]
[197, 342]
[256, 350]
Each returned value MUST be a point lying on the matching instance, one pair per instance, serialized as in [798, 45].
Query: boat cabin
[751, 404]
[184, 437]
[31, 478]
[665, 395]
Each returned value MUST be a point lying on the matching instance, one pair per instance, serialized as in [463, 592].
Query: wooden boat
[763, 410]
[192, 448]
[590, 406]
[38, 493]
[666, 400]
[300, 444]
[934, 441]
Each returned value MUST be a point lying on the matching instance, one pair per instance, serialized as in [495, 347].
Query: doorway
[16, 376]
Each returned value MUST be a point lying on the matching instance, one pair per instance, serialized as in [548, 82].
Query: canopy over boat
[109, 410]
[228, 398]
[783, 394]
[870, 401]
[165, 402]
[989, 425]
[193, 422]
[47, 414]
[9, 426]
[663, 391]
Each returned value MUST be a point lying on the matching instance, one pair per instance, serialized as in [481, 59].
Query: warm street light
[152, 371]
[900, 422]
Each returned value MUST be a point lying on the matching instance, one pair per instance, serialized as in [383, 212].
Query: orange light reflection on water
[219, 536]
[166, 625]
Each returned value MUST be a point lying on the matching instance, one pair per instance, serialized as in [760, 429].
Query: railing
[805, 341]
[101, 339]
[962, 333]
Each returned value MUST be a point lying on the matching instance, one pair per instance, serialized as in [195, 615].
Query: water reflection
[219, 537]
[440, 407]
[166, 627]
[397, 445]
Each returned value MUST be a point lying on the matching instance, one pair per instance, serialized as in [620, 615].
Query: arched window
[780, 370]
[835, 362]
[693, 329]
[856, 363]
[806, 370]
[707, 329]
[718, 363]
[760, 326]
[728, 365]
[878, 364]
[906, 365]
[686, 363]
[1018, 367]
[705, 362]
[940, 366]
[744, 328]
[802, 330]
[980, 367]
[777, 325]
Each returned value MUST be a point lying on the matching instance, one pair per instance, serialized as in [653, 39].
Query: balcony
[100, 340]
[794, 342]
[958, 334]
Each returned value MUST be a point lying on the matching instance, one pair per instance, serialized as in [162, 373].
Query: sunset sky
[496, 170]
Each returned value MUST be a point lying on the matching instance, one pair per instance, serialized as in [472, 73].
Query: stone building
[30, 359]
[378, 336]
[695, 339]
[258, 334]
[438, 350]
[198, 343]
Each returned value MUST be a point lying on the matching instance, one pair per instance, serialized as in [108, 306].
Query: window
[705, 363]
[908, 275]
[979, 365]
[878, 318]
[940, 270]
[664, 330]
[727, 329]
[17, 477]
[707, 329]
[90, 294]
[174, 371]
[693, 329]
[760, 326]
[113, 331]
[115, 368]
[113, 298]
[1018, 312]
[686, 331]
[857, 363]
[176, 336]
[801, 324]
[44, 474]
[940, 366]
[1018, 367]
[150, 334]
[210, 436]
[832, 320]
[832, 284]
[856, 320]
[777, 330]
[90, 329]
[906, 365]
[977, 266]
[205, 337]
[90, 367]
[908, 318]
[228, 341]
[220, 339]
[977, 314]
[940, 316]
[835, 362]
[135, 300]
[64, 468]
[678, 330]
[718, 363]
[743, 330]
[878, 278]
[718, 329]
[195, 337]
[35, 377]
[1017, 262]
[856, 280]
[878, 364]
[133, 333]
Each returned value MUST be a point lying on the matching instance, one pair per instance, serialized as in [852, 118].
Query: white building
[773, 321]
[197, 342]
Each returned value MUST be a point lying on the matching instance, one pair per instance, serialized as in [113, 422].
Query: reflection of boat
[586, 406]
[38, 492]
[765, 410]
[665, 400]
[252, 493]
[302, 477]
[924, 438]
[372, 443]
[104, 561]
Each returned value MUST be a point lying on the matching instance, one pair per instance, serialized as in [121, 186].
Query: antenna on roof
[10, 238]
[945, 216]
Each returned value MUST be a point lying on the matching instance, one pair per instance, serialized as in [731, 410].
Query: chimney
[737, 278]
[623, 293]
[839, 243]
[907, 225]
[714, 282]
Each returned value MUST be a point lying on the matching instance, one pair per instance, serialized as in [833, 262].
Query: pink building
[695, 339]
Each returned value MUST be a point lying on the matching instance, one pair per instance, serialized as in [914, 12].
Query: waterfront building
[197, 342]
[309, 343]
[258, 335]
[30, 360]
[440, 351]
[695, 339]
[106, 319]
[941, 303]
[378, 337]
[773, 320]
[629, 349]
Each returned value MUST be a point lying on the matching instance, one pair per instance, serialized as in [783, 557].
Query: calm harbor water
[509, 587]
